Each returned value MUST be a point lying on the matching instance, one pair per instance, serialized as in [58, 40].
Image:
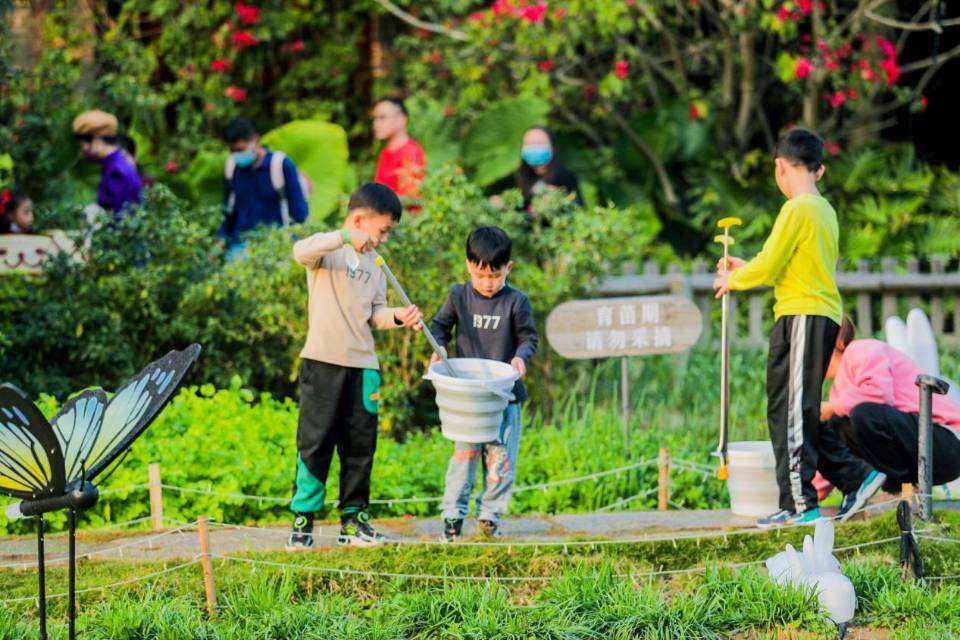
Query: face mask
[245, 158]
[536, 155]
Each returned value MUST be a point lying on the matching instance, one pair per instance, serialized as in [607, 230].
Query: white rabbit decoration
[816, 567]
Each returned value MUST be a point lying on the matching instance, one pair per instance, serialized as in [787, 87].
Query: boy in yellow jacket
[799, 260]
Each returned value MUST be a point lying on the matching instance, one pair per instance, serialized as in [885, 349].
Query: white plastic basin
[472, 403]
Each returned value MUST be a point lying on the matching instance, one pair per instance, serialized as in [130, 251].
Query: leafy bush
[155, 282]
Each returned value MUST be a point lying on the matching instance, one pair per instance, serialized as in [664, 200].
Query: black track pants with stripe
[800, 349]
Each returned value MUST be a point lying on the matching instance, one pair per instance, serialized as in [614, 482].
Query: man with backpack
[261, 187]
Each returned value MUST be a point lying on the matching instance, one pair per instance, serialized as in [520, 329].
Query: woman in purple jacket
[120, 184]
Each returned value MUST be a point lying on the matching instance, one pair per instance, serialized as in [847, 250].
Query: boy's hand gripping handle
[726, 240]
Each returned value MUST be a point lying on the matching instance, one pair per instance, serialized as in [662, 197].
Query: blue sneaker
[784, 518]
[854, 502]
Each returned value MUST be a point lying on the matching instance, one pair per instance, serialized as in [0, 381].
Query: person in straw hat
[120, 185]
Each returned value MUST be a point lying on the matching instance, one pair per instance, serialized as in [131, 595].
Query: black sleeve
[568, 180]
[442, 324]
[525, 329]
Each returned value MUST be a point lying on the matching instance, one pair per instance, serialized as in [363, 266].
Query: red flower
[448, 111]
[436, 57]
[805, 6]
[236, 93]
[830, 64]
[477, 16]
[923, 103]
[866, 71]
[832, 147]
[293, 47]
[631, 3]
[803, 68]
[822, 45]
[837, 99]
[694, 113]
[504, 8]
[546, 66]
[559, 12]
[248, 13]
[886, 47]
[621, 69]
[171, 167]
[852, 93]
[242, 39]
[784, 14]
[221, 65]
[891, 70]
[534, 14]
[590, 92]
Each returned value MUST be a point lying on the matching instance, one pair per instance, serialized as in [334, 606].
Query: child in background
[799, 260]
[339, 371]
[16, 212]
[493, 321]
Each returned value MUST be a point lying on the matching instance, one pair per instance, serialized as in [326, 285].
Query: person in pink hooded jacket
[870, 425]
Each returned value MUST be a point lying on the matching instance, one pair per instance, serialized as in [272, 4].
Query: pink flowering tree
[657, 87]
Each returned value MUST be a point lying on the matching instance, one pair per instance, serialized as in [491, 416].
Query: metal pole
[72, 577]
[929, 385]
[625, 403]
[42, 577]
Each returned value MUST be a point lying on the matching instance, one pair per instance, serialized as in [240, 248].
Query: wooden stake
[208, 586]
[663, 482]
[156, 496]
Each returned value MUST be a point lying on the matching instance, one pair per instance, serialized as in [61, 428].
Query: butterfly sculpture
[51, 466]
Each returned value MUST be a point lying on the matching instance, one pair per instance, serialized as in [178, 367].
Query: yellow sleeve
[767, 265]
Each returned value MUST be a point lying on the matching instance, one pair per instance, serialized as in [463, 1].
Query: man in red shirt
[401, 164]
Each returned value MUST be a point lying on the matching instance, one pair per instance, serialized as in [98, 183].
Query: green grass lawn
[581, 591]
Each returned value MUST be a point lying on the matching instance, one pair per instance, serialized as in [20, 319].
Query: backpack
[276, 180]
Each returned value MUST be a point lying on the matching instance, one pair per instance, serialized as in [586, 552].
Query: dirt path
[173, 543]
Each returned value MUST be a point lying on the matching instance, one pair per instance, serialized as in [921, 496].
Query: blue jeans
[499, 463]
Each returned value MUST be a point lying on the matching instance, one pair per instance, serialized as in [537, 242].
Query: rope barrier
[622, 501]
[471, 578]
[109, 586]
[923, 536]
[395, 501]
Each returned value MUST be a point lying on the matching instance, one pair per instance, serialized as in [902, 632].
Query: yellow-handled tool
[726, 240]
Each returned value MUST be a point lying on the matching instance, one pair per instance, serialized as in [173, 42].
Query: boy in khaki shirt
[339, 372]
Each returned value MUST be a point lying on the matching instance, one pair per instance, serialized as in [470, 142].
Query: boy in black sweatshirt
[493, 321]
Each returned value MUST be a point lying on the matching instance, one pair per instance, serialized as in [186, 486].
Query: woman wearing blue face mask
[541, 168]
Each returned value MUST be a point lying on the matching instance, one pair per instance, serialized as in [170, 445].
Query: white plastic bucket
[752, 479]
[472, 403]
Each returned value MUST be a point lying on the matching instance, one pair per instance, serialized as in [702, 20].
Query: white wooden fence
[870, 296]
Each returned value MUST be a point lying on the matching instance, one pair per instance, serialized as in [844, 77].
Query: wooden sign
[636, 326]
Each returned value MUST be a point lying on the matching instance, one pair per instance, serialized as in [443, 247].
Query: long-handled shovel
[440, 351]
[726, 240]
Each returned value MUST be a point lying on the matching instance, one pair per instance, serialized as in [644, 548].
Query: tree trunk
[748, 85]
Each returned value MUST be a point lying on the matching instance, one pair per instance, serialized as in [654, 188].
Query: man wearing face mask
[262, 187]
[541, 168]
[120, 185]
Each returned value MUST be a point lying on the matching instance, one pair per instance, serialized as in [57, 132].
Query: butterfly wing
[132, 408]
[31, 463]
[77, 426]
